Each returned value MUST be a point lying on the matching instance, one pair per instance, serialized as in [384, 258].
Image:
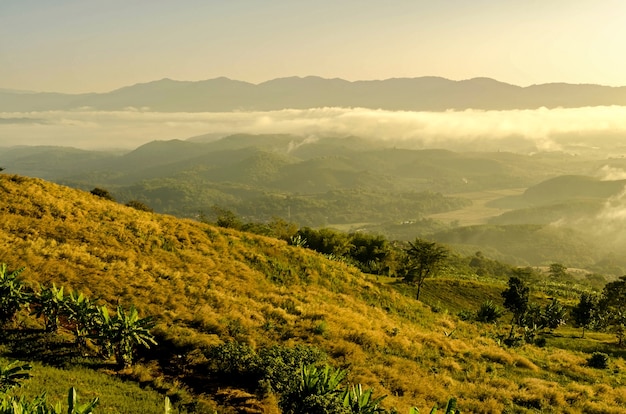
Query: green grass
[115, 395]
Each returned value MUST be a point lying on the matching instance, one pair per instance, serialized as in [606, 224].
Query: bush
[598, 360]
[102, 193]
[138, 205]
[279, 366]
[489, 312]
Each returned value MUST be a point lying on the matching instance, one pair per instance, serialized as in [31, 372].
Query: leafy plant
[12, 374]
[49, 303]
[489, 312]
[317, 390]
[360, 401]
[12, 293]
[121, 334]
[82, 316]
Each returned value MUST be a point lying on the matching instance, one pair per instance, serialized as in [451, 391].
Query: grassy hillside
[209, 286]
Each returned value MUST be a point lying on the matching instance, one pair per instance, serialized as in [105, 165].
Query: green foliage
[598, 360]
[121, 334]
[516, 298]
[12, 294]
[278, 365]
[488, 312]
[49, 302]
[554, 315]
[81, 315]
[612, 308]
[423, 259]
[360, 401]
[317, 391]
[583, 313]
[102, 193]
[13, 374]
[138, 205]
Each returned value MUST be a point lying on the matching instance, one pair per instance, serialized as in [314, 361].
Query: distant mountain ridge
[412, 94]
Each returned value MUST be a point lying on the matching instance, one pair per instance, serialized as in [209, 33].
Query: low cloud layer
[542, 128]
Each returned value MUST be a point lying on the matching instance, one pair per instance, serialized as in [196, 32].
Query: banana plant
[73, 407]
[12, 374]
[121, 334]
[81, 314]
[450, 408]
[362, 402]
[315, 381]
[12, 294]
[49, 303]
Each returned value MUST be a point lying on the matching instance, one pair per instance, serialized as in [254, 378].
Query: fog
[539, 128]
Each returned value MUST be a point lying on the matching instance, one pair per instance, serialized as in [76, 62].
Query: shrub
[489, 312]
[102, 193]
[138, 205]
[279, 366]
[598, 360]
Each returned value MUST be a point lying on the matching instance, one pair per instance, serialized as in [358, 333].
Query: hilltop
[209, 286]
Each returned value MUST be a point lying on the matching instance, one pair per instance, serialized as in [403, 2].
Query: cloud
[539, 128]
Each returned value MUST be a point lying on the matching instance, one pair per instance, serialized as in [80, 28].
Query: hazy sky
[100, 45]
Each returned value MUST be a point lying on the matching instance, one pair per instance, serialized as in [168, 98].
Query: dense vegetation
[567, 203]
[230, 307]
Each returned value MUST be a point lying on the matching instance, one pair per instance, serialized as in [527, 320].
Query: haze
[76, 46]
[538, 129]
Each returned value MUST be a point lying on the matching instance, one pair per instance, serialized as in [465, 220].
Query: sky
[77, 46]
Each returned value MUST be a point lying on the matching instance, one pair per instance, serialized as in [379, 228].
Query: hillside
[415, 94]
[208, 286]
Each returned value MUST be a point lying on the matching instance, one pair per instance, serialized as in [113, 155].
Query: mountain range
[411, 94]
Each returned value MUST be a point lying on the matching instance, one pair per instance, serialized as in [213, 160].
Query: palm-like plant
[12, 374]
[49, 303]
[81, 314]
[12, 294]
[122, 333]
[360, 401]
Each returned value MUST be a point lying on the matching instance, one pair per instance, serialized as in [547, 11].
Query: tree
[553, 315]
[583, 312]
[516, 301]
[423, 260]
[613, 308]
[557, 271]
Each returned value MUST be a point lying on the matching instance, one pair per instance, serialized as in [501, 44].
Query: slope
[208, 286]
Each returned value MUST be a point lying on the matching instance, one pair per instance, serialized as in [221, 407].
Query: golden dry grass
[208, 285]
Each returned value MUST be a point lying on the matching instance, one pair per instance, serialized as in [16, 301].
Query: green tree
[584, 312]
[516, 301]
[557, 271]
[554, 315]
[613, 308]
[423, 260]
